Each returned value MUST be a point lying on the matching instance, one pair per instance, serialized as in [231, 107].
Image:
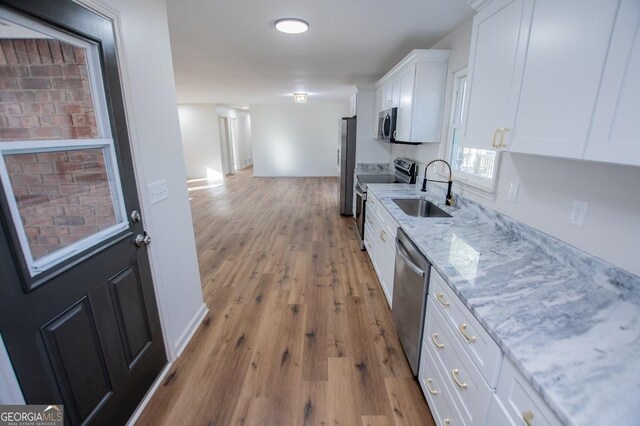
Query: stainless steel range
[404, 172]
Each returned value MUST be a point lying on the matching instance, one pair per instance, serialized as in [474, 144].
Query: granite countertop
[374, 168]
[573, 330]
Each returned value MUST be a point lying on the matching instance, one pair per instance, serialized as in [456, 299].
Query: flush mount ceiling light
[300, 98]
[292, 25]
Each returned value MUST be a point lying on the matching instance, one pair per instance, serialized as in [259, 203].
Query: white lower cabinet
[521, 402]
[460, 368]
[498, 416]
[469, 391]
[379, 240]
[432, 383]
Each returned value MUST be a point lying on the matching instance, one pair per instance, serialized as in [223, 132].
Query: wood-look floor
[299, 331]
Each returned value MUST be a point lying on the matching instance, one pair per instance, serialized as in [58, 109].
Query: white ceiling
[229, 51]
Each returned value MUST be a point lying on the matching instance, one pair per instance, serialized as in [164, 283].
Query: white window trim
[485, 188]
[94, 71]
[113, 176]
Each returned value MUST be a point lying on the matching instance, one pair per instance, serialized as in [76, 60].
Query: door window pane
[56, 153]
[46, 91]
[62, 196]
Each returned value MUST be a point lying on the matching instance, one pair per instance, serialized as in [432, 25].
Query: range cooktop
[377, 178]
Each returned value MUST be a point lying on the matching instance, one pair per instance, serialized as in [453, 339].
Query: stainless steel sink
[419, 207]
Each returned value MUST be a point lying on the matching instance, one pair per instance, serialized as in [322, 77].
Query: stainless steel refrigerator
[347, 162]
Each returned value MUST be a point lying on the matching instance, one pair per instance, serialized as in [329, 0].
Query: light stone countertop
[570, 322]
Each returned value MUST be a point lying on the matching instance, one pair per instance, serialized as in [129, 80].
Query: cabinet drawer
[471, 394]
[438, 397]
[388, 221]
[520, 400]
[372, 203]
[482, 349]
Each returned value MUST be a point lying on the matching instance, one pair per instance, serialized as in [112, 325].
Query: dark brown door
[78, 312]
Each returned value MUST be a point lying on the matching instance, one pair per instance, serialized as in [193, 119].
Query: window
[58, 168]
[472, 166]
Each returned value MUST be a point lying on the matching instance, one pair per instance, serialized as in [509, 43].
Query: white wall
[200, 132]
[150, 98]
[368, 149]
[296, 139]
[547, 186]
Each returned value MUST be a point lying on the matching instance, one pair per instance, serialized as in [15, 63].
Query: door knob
[143, 240]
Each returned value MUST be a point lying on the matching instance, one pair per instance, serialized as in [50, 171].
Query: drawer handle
[431, 391]
[440, 297]
[527, 416]
[434, 338]
[463, 328]
[382, 234]
[455, 373]
[447, 421]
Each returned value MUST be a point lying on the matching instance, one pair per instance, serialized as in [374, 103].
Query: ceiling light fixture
[300, 98]
[292, 25]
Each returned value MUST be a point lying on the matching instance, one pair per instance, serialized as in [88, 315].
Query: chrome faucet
[449, 201]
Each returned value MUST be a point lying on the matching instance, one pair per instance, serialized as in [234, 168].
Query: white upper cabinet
[615, 133]
[556, 78]
[565, 56]
[416, 87]
[403, 86]
[495, 40]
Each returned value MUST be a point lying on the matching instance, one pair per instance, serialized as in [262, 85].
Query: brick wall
[62, 196]
[44, 91]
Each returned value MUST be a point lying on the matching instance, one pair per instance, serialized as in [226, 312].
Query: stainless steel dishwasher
[410, 285]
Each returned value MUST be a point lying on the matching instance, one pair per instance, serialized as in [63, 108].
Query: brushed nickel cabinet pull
[440, 297]
[431, 391]
[527, 416]
[434, 338]
[502, 132]
[493, 141]
[463, 330]
[454, 374]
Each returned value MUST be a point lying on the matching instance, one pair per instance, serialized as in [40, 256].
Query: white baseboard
[136, 414]
[190, 330]
[246, 166]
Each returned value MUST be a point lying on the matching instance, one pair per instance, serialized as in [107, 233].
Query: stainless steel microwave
[387, 124]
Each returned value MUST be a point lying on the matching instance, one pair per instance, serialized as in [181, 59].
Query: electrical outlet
[158, 191]
[578, 213]
[514, 187]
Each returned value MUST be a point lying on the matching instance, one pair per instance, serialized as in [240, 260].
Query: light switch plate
[578, 213]
[513, 191]
[158, 191]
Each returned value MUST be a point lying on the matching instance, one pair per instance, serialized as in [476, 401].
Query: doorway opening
[229, 145]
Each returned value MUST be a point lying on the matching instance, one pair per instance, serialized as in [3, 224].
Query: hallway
[298, 330]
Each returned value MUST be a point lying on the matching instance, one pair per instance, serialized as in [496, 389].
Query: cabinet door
[388, 90]
[388, 261]
[395, 92]
[495, 42]
[377, 107]
[403, 86]
[615, 133]
[565, 56]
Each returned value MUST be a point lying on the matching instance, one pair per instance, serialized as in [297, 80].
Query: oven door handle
[403, 254]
